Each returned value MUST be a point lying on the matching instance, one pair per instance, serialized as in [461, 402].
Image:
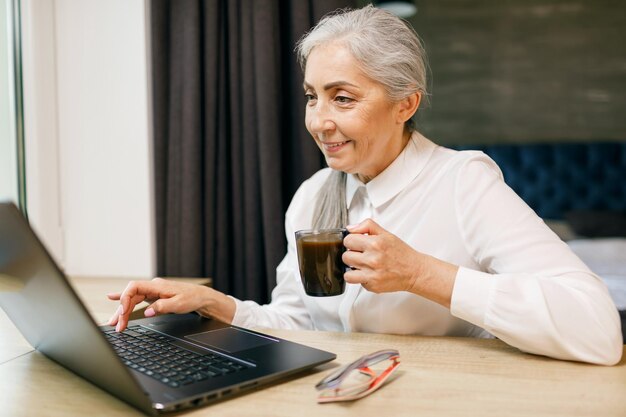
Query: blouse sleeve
[532, 291]
[287, 309]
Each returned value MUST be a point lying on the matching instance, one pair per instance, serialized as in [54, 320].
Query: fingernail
[149, 312]
[118, 327]
[121, 309]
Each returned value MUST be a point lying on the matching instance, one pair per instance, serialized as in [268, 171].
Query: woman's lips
[334, 146]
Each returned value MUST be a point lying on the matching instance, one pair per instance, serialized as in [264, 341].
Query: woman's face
[349, 115]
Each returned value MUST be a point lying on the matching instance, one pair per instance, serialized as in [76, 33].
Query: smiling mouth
[334, 145]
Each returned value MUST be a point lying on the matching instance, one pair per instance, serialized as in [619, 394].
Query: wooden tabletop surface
[438, 376]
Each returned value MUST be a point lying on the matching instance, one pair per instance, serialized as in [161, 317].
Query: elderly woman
[439, 244]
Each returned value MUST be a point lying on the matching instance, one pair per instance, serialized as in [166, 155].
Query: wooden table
[439, 376]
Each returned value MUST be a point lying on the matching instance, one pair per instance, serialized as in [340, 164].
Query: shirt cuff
[471, 296]
[241, 312]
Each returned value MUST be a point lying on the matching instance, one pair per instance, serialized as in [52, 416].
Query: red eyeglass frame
[331, 384]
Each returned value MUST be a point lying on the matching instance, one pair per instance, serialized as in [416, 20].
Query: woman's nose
[320, 119]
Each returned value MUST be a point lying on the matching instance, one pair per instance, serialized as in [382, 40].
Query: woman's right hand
[170, 297]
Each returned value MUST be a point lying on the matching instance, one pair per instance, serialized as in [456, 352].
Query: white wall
[41, 124]
[103, 151]
[8, 158]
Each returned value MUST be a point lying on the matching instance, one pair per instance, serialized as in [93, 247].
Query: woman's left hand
[382, 262]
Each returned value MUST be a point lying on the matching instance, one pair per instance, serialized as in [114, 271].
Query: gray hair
[387, 47]
[390, 53]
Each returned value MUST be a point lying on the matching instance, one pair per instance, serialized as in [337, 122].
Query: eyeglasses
[357, 379]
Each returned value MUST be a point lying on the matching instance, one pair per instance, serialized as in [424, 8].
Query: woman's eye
[309, 97]
[343, 99]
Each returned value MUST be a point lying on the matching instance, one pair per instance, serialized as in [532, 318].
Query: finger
[124, 318]
[124, 313]
[113, 320]
[355, 276]
[122, 322]
[132, 302]
[114, 296]
[146, 289]
[129, 292]
[154, 309]
[354, 259]
[165, 306]
[367, 226]
[367, 279]
[355, 242]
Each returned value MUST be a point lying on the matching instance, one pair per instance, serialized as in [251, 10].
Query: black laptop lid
[36, 296]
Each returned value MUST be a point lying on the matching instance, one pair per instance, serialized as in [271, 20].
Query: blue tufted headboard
[556, 178]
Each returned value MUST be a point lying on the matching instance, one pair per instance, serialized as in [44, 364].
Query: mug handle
[344, 233]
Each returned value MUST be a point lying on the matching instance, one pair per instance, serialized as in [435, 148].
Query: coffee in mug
[319, 257]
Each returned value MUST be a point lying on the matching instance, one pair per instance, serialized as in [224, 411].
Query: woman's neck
[406, 136]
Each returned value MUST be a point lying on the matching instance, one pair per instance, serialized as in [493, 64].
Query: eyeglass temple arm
[366, 360]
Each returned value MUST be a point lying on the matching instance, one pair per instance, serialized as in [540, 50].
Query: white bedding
[607, 258]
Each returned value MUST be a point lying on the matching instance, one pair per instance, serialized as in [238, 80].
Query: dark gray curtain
[230, 147]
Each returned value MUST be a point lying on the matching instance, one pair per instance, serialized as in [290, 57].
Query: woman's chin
[337, 164]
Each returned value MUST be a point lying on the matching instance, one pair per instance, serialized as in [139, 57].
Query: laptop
[160, 364]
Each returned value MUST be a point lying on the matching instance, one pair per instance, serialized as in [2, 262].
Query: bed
[579, 189]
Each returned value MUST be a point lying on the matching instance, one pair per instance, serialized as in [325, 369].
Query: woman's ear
[408, 106]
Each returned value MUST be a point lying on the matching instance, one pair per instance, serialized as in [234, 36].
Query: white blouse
[517, 280]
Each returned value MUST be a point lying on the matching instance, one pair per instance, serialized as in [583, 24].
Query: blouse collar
[397, 176]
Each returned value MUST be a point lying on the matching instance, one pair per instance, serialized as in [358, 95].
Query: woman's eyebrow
[328, 86]
[338, 84]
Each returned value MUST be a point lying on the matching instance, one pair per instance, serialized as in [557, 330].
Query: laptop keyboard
[155, 355]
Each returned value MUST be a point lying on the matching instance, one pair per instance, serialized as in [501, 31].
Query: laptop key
[215, 370]
[186, 381]
[158, 357]
[199, 376]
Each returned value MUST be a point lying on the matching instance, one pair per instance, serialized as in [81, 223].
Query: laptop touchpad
[230, 339]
